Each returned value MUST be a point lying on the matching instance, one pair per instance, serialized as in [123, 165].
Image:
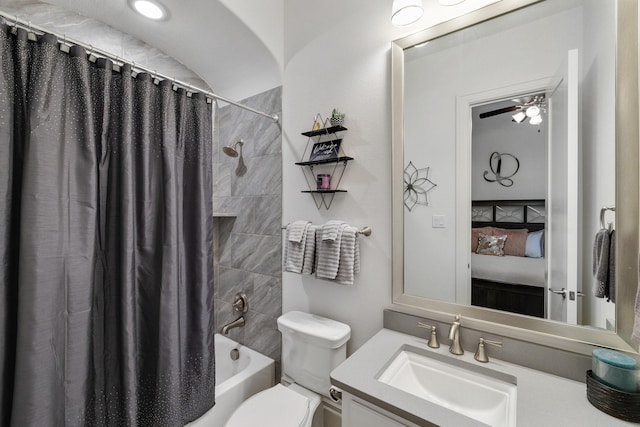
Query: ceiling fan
[529, 107]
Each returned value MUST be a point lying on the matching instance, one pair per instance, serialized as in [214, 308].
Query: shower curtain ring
[63, 46]
[92, 57]
[31, 36]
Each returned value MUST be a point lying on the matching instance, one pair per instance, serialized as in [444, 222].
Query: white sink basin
[474, 391]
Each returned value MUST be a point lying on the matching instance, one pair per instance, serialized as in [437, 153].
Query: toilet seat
[278, 406]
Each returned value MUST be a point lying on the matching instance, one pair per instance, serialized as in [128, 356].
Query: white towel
[331, 229]
[295, 250]
[328, 253]
[296, 231]
[309, 262]
[349, 263]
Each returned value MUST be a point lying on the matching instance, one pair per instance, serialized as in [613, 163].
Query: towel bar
[365, 231]
[602, 212]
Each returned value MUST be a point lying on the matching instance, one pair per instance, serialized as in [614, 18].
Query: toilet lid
[277, 406]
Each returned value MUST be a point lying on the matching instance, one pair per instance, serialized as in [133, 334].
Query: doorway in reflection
[509, 152]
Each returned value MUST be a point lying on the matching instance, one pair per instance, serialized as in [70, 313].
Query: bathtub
[236, 380]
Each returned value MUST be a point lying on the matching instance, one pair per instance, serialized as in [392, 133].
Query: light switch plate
[438, 221]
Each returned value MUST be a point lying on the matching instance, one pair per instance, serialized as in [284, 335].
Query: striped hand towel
[294, 251]
[309, 262]
[328, 254]
[331, 229]
[297, 230]
[349, 263]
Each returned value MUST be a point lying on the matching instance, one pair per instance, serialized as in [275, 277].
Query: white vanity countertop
[543, 399]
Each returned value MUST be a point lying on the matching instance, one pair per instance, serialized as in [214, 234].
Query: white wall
[598, 150]
[525, 142]
[338, 55]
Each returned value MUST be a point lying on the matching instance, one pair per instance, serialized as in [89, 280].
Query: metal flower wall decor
[416, 186]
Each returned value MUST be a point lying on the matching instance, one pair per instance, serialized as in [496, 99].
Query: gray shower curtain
[106, 275]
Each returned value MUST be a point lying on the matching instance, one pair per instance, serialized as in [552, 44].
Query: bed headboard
[529, 214]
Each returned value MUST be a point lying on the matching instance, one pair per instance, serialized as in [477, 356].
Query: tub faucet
[454, 336]
[235, 324]
[240, 306]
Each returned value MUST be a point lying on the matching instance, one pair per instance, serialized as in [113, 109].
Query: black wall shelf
[324, 131]
[323, 191]
[338, 164]
[325, 161]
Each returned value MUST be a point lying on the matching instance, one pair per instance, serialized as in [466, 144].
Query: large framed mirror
[515, 171]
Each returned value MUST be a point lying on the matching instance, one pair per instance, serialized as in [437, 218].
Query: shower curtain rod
[62, 38]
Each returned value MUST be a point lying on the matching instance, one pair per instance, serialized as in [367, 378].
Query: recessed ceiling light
[149, 9]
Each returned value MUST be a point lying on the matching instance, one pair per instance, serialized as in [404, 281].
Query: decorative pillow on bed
[491, 245]
[516, 240]
[535, 244]
[474, 235]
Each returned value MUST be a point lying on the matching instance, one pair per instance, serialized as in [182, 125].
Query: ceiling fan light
[449, 2]
[519, 117]
[536, 120]
[533, 111]
[405, 12]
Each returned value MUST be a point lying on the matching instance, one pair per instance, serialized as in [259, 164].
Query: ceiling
[204, 35]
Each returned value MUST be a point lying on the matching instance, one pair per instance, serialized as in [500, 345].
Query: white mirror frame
[578, 339]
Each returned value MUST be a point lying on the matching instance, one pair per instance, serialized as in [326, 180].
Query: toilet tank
[312, 346]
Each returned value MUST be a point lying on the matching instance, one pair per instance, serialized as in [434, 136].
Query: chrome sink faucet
[454, 336]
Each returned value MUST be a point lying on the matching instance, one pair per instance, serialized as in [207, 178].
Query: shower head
[232, 150]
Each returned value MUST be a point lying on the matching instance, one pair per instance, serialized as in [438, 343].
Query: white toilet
[312, 346]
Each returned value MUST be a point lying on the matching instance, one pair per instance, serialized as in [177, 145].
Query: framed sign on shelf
[326, 150]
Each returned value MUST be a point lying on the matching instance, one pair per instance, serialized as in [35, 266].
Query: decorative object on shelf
[337, 118]
[416, 186]
[497, 165]
[325, 154]
[327, 150]
[317, 122]
[323, 181]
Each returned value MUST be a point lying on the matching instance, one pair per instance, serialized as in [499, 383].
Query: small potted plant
[337, 118]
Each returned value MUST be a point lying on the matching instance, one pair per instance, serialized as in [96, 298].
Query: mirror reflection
[509, 155]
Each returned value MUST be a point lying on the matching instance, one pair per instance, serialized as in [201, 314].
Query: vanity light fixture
[450, 2]
[149, 9]
[405, 12]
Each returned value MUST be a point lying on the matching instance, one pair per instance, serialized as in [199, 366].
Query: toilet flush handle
[335, 394]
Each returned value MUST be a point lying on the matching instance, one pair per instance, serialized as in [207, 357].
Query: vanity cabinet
[359, 413]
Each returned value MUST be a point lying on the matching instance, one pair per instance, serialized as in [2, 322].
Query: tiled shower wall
[248, 247]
